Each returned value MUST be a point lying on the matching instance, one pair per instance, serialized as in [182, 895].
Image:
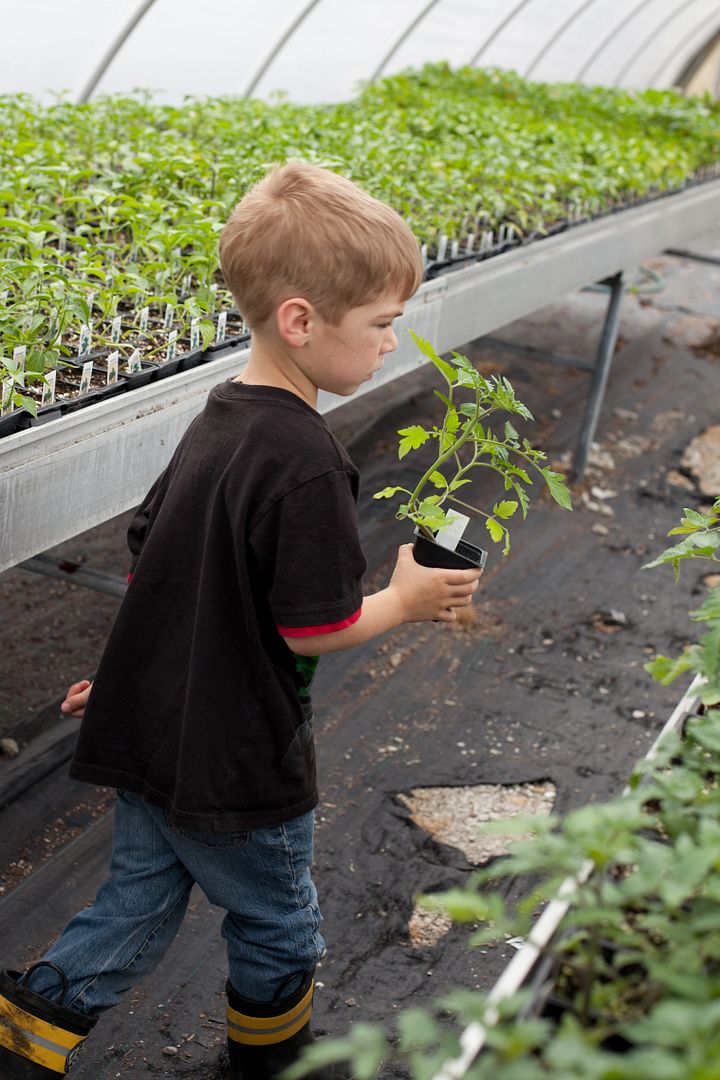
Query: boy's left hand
[77, 698]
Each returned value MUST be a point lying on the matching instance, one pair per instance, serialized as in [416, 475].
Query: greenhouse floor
[540, 684]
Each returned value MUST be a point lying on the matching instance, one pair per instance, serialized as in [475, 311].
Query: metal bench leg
[603, 360]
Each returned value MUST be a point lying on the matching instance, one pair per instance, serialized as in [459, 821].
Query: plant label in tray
[143, 321]
[169, 316]
[134, 363]
[20, 356]
[85, 339]
[449, 535]
[115, 329]
[171, 345]
[221, 326]
[48, 392]
[442, 248]
[112, 367]
[86, 377]
[194, 335]
[4, 296]
[5, 404]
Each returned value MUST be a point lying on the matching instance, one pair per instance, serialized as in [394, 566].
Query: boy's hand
[76, 698]
[428, 594]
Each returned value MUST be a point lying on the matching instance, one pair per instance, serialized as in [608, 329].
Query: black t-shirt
[251, 532]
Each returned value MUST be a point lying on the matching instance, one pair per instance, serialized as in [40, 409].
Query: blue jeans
[261, 878]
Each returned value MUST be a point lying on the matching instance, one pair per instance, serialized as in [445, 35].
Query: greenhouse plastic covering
[319, 50]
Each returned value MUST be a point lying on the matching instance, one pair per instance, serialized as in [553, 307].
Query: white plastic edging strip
[473, 1037]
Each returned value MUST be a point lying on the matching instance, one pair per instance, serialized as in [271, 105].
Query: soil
[541, 683]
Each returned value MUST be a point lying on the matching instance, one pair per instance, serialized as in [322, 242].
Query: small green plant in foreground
[465, 442]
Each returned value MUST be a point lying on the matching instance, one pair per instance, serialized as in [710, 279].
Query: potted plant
[465, 442]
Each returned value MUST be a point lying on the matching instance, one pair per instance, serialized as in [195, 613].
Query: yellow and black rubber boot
[38, 1038]
[265, 1038]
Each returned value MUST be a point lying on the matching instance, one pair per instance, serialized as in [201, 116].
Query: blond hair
[305, 231]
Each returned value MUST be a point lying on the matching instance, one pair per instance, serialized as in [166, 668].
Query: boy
[246, 568]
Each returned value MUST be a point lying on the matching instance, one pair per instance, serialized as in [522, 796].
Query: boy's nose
[391, 342]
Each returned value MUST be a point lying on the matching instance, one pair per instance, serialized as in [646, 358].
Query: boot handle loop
[46, 963]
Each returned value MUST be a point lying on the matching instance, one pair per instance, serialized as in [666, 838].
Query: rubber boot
[265, 1038]
[38, 1039]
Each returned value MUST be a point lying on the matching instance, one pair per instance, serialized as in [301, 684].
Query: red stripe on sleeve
[129, 579]
[326, 628]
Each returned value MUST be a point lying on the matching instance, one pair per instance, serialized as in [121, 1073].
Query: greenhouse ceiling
[319, 50]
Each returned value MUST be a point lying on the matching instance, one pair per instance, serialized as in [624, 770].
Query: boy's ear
[295, 321]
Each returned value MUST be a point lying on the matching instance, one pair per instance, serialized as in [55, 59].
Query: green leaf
[446, 370]
[413, 438]
[557, 488]
[495, 529]
[510, 432]
[388, 492]
[505, 509]
[664, 670]
[438, 480]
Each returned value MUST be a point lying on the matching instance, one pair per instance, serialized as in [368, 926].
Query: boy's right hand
[76, 698]
[425, 593]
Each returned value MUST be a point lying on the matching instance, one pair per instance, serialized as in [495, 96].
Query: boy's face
[340, 358]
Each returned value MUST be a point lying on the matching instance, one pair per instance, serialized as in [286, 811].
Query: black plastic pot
[148, 373]
[17, 420]
[465, 557]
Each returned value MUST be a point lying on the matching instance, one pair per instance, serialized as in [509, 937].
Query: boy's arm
[415, 594]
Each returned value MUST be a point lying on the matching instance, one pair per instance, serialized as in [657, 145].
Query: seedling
[465, 442]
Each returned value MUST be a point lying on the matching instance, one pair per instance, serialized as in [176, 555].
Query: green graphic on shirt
[305, 668]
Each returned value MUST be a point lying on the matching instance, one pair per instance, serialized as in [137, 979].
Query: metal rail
[61, 478]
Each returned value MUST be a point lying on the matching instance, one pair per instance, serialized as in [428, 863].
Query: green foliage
[108, 207]
[464, 442]
[702, 541]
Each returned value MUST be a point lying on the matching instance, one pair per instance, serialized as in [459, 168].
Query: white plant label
[5, 405]
[62, 244]
[144, 316]
[134, 364]
[470, 243]
[454, 249]
[90, 300]
[194, 335]
[213, 297]
[221, 326]
[442, 248]
[85, 339]
[87, 370]
[112, 367]
[185, 284]
[20, 356]
[169, 316]
[48, 394]
[4, 295]
[116, 329]
[424, 254]
[449, 536]
[171, 345]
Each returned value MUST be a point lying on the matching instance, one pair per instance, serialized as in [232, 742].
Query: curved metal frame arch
[497, 31]
[279, 46]
[713, 19]
[657, 29]
[412, 25]
[610, 37]
[112, 52]
[558, 33]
